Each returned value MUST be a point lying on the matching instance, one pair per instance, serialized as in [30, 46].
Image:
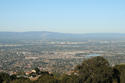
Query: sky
[67, 16]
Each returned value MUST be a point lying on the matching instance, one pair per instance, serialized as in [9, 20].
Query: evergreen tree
[95, 70]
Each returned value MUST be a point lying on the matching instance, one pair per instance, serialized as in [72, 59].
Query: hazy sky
[69, 16]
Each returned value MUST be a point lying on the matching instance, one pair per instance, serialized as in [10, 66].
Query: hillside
[44, 35]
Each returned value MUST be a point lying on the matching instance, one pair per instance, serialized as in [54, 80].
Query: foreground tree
[69, 79]
[20, 80]
[4, 77]
[46, 79]
[119, 73]
[95, 70]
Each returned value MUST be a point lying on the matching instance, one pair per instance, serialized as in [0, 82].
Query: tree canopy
[95, 70]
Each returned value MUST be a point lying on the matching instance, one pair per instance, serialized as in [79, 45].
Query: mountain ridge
[46, 35]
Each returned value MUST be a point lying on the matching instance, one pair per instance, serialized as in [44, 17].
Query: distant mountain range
[44, 35]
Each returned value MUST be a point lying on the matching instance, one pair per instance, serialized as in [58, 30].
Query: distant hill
[44, 35]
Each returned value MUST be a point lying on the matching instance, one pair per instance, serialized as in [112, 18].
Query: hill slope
[44, 35]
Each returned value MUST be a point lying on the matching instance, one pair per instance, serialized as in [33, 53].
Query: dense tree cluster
[96, 70]
[119, 73]
[93, 70]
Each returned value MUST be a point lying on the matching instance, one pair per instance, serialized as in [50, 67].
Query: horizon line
[67, 32]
